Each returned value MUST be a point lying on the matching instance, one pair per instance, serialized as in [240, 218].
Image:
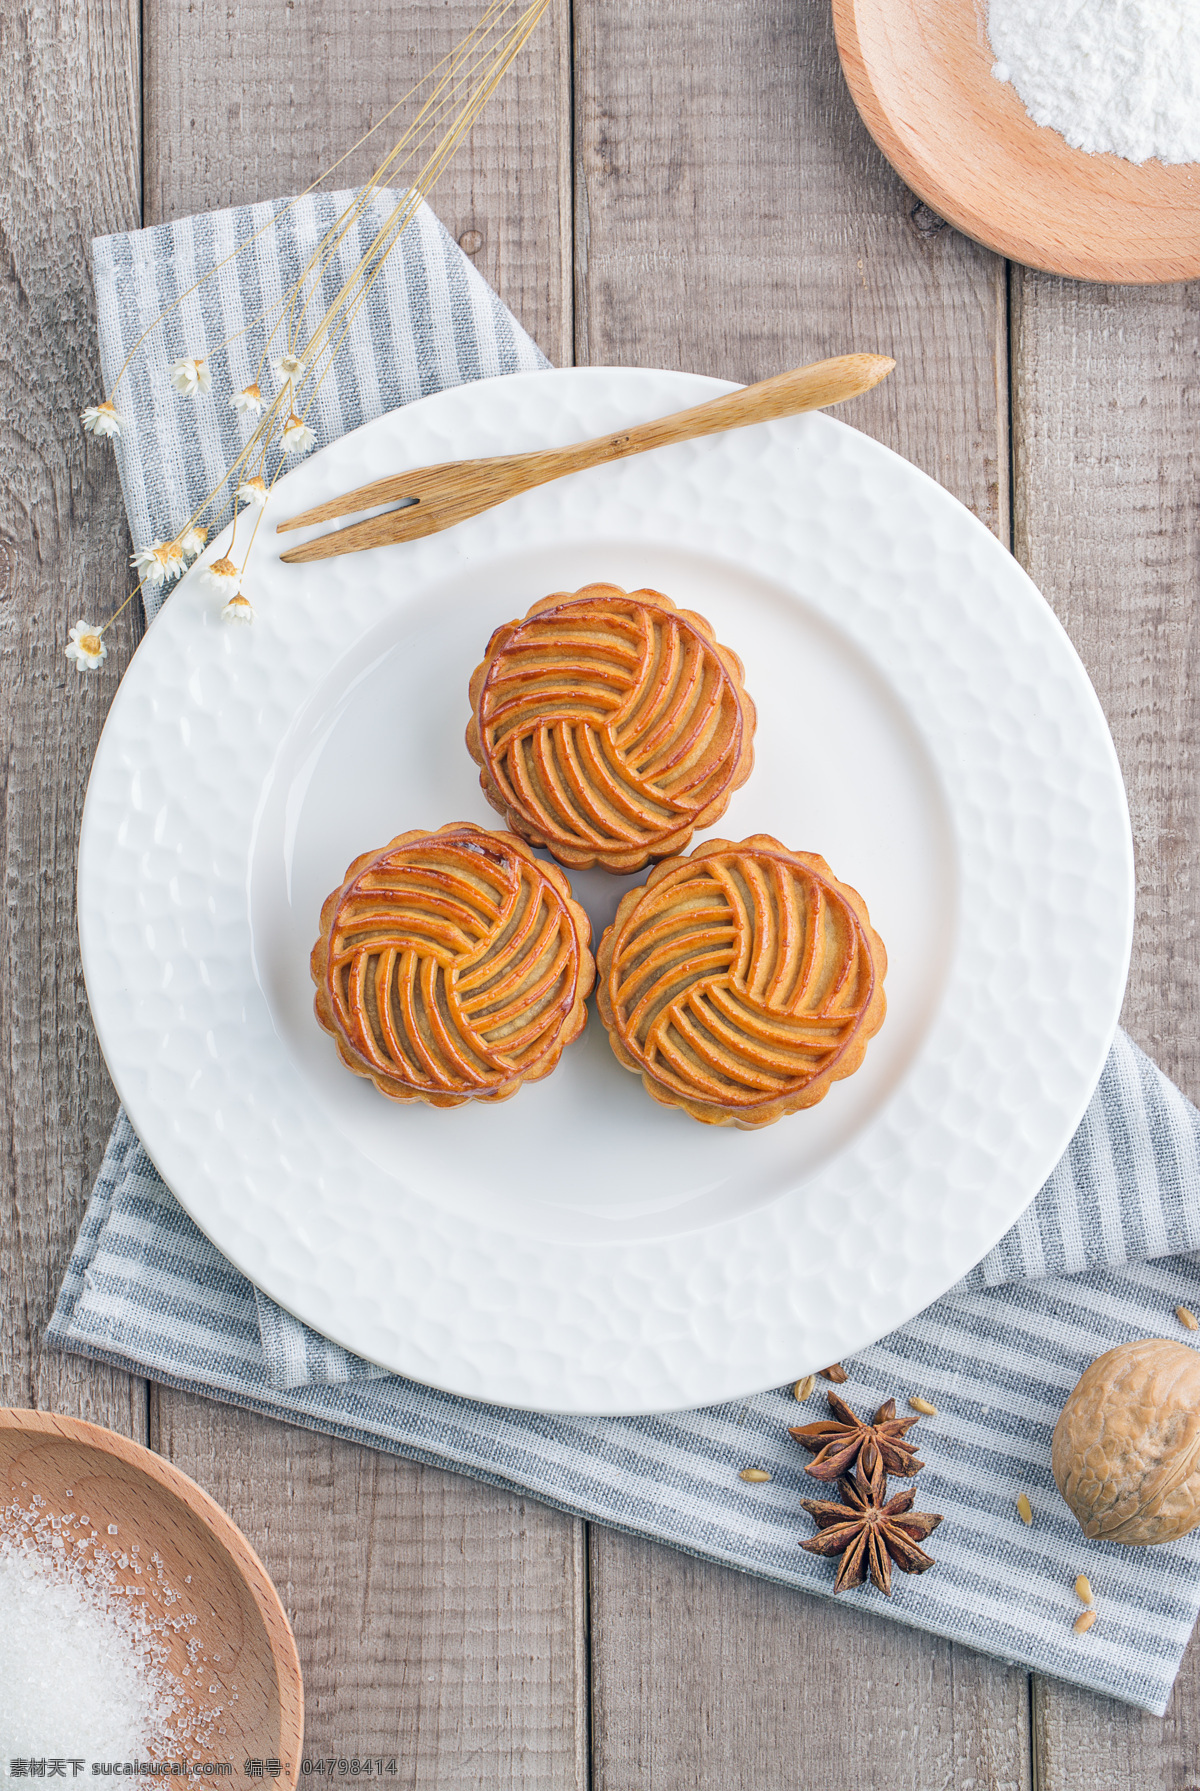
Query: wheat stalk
[446, 103]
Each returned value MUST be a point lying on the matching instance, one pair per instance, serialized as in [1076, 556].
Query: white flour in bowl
[1119, 75]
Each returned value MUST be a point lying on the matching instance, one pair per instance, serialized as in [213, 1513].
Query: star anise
[868, 1534]
[841, 1441]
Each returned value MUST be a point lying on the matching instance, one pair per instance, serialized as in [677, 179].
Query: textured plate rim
[678, 1382]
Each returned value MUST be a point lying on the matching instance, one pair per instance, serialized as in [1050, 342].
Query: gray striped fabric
[429, 321]
[1101, 1256]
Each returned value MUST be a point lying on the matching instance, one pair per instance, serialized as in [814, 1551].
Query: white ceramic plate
[923, 722]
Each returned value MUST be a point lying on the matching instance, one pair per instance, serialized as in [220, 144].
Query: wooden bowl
[238, 1616]
[921, 75]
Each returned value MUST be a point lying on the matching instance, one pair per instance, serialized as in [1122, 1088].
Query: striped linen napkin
[1103, 1255]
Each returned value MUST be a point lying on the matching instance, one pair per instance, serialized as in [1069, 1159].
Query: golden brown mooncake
[452, 966]
[609, 725]
[741, 981]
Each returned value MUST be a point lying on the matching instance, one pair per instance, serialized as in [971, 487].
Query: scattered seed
[835, 1373]
[1024, 1508]
[803, 1389]
[922, 1405]
[1188, 1319]
[1083, 1590]
[1083, 1622]
[754, 1474]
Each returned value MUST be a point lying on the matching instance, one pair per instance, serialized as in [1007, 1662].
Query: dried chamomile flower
[253, 491]
[223, 576]
[190, 374]
[248, 402]
[297, 436]
[146, 563]
[288, 367]
[86, 647]
[158, 564]
[238, 609]
[102, 419]
[193, 540]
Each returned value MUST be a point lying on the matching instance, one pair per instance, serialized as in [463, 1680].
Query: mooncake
[452, 966]
[742, 981]
[609, 725]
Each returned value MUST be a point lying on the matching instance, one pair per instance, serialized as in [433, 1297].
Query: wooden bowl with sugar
[147, 1533]
[920, 72]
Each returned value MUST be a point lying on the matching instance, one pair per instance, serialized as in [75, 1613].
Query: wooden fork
[436, 497]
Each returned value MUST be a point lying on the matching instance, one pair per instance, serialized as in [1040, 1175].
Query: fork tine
[383, 491]
[406, 524]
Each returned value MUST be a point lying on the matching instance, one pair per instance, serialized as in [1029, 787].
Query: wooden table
[661, 185]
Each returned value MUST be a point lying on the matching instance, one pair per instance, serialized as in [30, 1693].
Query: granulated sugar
[74, 1681]
[87, 1631]
[1116, 75]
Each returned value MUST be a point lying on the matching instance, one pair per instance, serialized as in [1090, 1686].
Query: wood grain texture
[437, 1620]
[1106, 409]
[254, 103]
[705, 1677]
[1106, 455]
[69, 148]
[1083, 1740]
[227, 1633]
[921, 75]
[734, 217]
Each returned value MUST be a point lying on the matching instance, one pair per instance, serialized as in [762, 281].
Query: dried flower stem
[452, 95]
[258, 435]
[440, 103]
[404, 213]
[484, 25]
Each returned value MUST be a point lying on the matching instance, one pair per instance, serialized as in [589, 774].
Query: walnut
[1126, 1450]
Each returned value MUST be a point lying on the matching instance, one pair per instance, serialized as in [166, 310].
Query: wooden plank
[1106, 459]
[440, 1622]
[256, 108]
[69, 146]
[1083, 1740]
[706, 1677]
[733, 217]
[437, 1620]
